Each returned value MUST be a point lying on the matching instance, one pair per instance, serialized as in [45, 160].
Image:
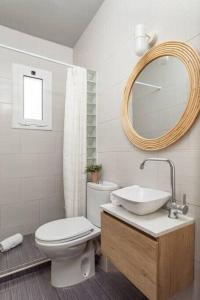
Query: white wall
[107, 46]
[31, 189]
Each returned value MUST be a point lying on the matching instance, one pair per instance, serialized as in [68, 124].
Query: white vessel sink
[140, 200]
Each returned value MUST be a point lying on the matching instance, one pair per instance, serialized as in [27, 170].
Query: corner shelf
[90, 92]
[91, 158]
[91, 117]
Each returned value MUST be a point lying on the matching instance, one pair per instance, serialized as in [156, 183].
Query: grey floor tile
[6, 295]
[116, 290]
[94, 289]
[3, 262]
[36, 286]
[103, 286]
[43, 283]
[22, 255]
[70, 294]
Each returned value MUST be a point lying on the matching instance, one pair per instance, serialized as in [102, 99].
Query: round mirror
[162, 96]
[159, 97]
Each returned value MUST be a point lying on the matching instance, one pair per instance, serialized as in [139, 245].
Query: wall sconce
[143, 40]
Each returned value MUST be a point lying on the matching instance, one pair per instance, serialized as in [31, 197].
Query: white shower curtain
[74, 150]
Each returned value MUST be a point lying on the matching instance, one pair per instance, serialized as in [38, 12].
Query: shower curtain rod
[36, 55]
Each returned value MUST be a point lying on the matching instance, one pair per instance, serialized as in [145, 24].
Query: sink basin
[140, 200]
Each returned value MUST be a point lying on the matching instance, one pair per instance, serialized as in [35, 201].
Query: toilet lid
[64, 229]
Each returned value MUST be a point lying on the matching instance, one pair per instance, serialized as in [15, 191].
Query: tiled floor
[103, 286]
[21, 256]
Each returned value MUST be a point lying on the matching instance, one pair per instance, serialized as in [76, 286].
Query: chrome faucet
[174, 208]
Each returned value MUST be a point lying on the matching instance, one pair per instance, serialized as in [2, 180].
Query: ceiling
[60, 21]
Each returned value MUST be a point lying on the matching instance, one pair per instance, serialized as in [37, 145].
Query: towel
[11, 242]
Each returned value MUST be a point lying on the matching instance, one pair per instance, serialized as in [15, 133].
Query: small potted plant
[94, 171]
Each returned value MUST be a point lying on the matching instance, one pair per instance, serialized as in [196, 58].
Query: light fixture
[143, 40]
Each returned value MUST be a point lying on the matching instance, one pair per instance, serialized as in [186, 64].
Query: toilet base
[70, 271]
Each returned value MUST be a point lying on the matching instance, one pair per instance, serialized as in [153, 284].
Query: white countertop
[155, 224]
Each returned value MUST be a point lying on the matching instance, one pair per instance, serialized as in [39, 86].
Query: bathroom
[42, 165]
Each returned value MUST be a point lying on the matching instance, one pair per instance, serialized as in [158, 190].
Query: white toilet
[69, 242]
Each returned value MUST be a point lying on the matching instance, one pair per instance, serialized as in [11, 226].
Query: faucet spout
[174, 208]
[172, 173]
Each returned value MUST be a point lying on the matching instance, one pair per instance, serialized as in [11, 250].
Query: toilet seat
[70, 243]
[64, 230]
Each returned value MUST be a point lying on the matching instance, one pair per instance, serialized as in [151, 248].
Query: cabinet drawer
[132, 252]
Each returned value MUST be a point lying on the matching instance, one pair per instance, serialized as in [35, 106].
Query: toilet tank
[98, 194]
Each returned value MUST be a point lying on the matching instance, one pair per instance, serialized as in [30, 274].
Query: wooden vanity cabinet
[158, 267]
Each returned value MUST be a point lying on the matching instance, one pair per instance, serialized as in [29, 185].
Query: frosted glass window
[33, 98]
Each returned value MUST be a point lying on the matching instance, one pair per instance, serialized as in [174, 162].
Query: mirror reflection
[159, 97]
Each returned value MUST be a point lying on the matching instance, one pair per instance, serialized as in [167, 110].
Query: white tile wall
[9, 141]
[51, 209]
[38, 141]
[107, 46]
[5, 91]
[19, 216]
[10, 190]
[31, 190]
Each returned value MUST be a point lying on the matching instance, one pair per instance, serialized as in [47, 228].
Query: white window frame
[18, 121]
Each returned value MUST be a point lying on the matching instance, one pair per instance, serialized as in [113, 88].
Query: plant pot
[95, 176]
